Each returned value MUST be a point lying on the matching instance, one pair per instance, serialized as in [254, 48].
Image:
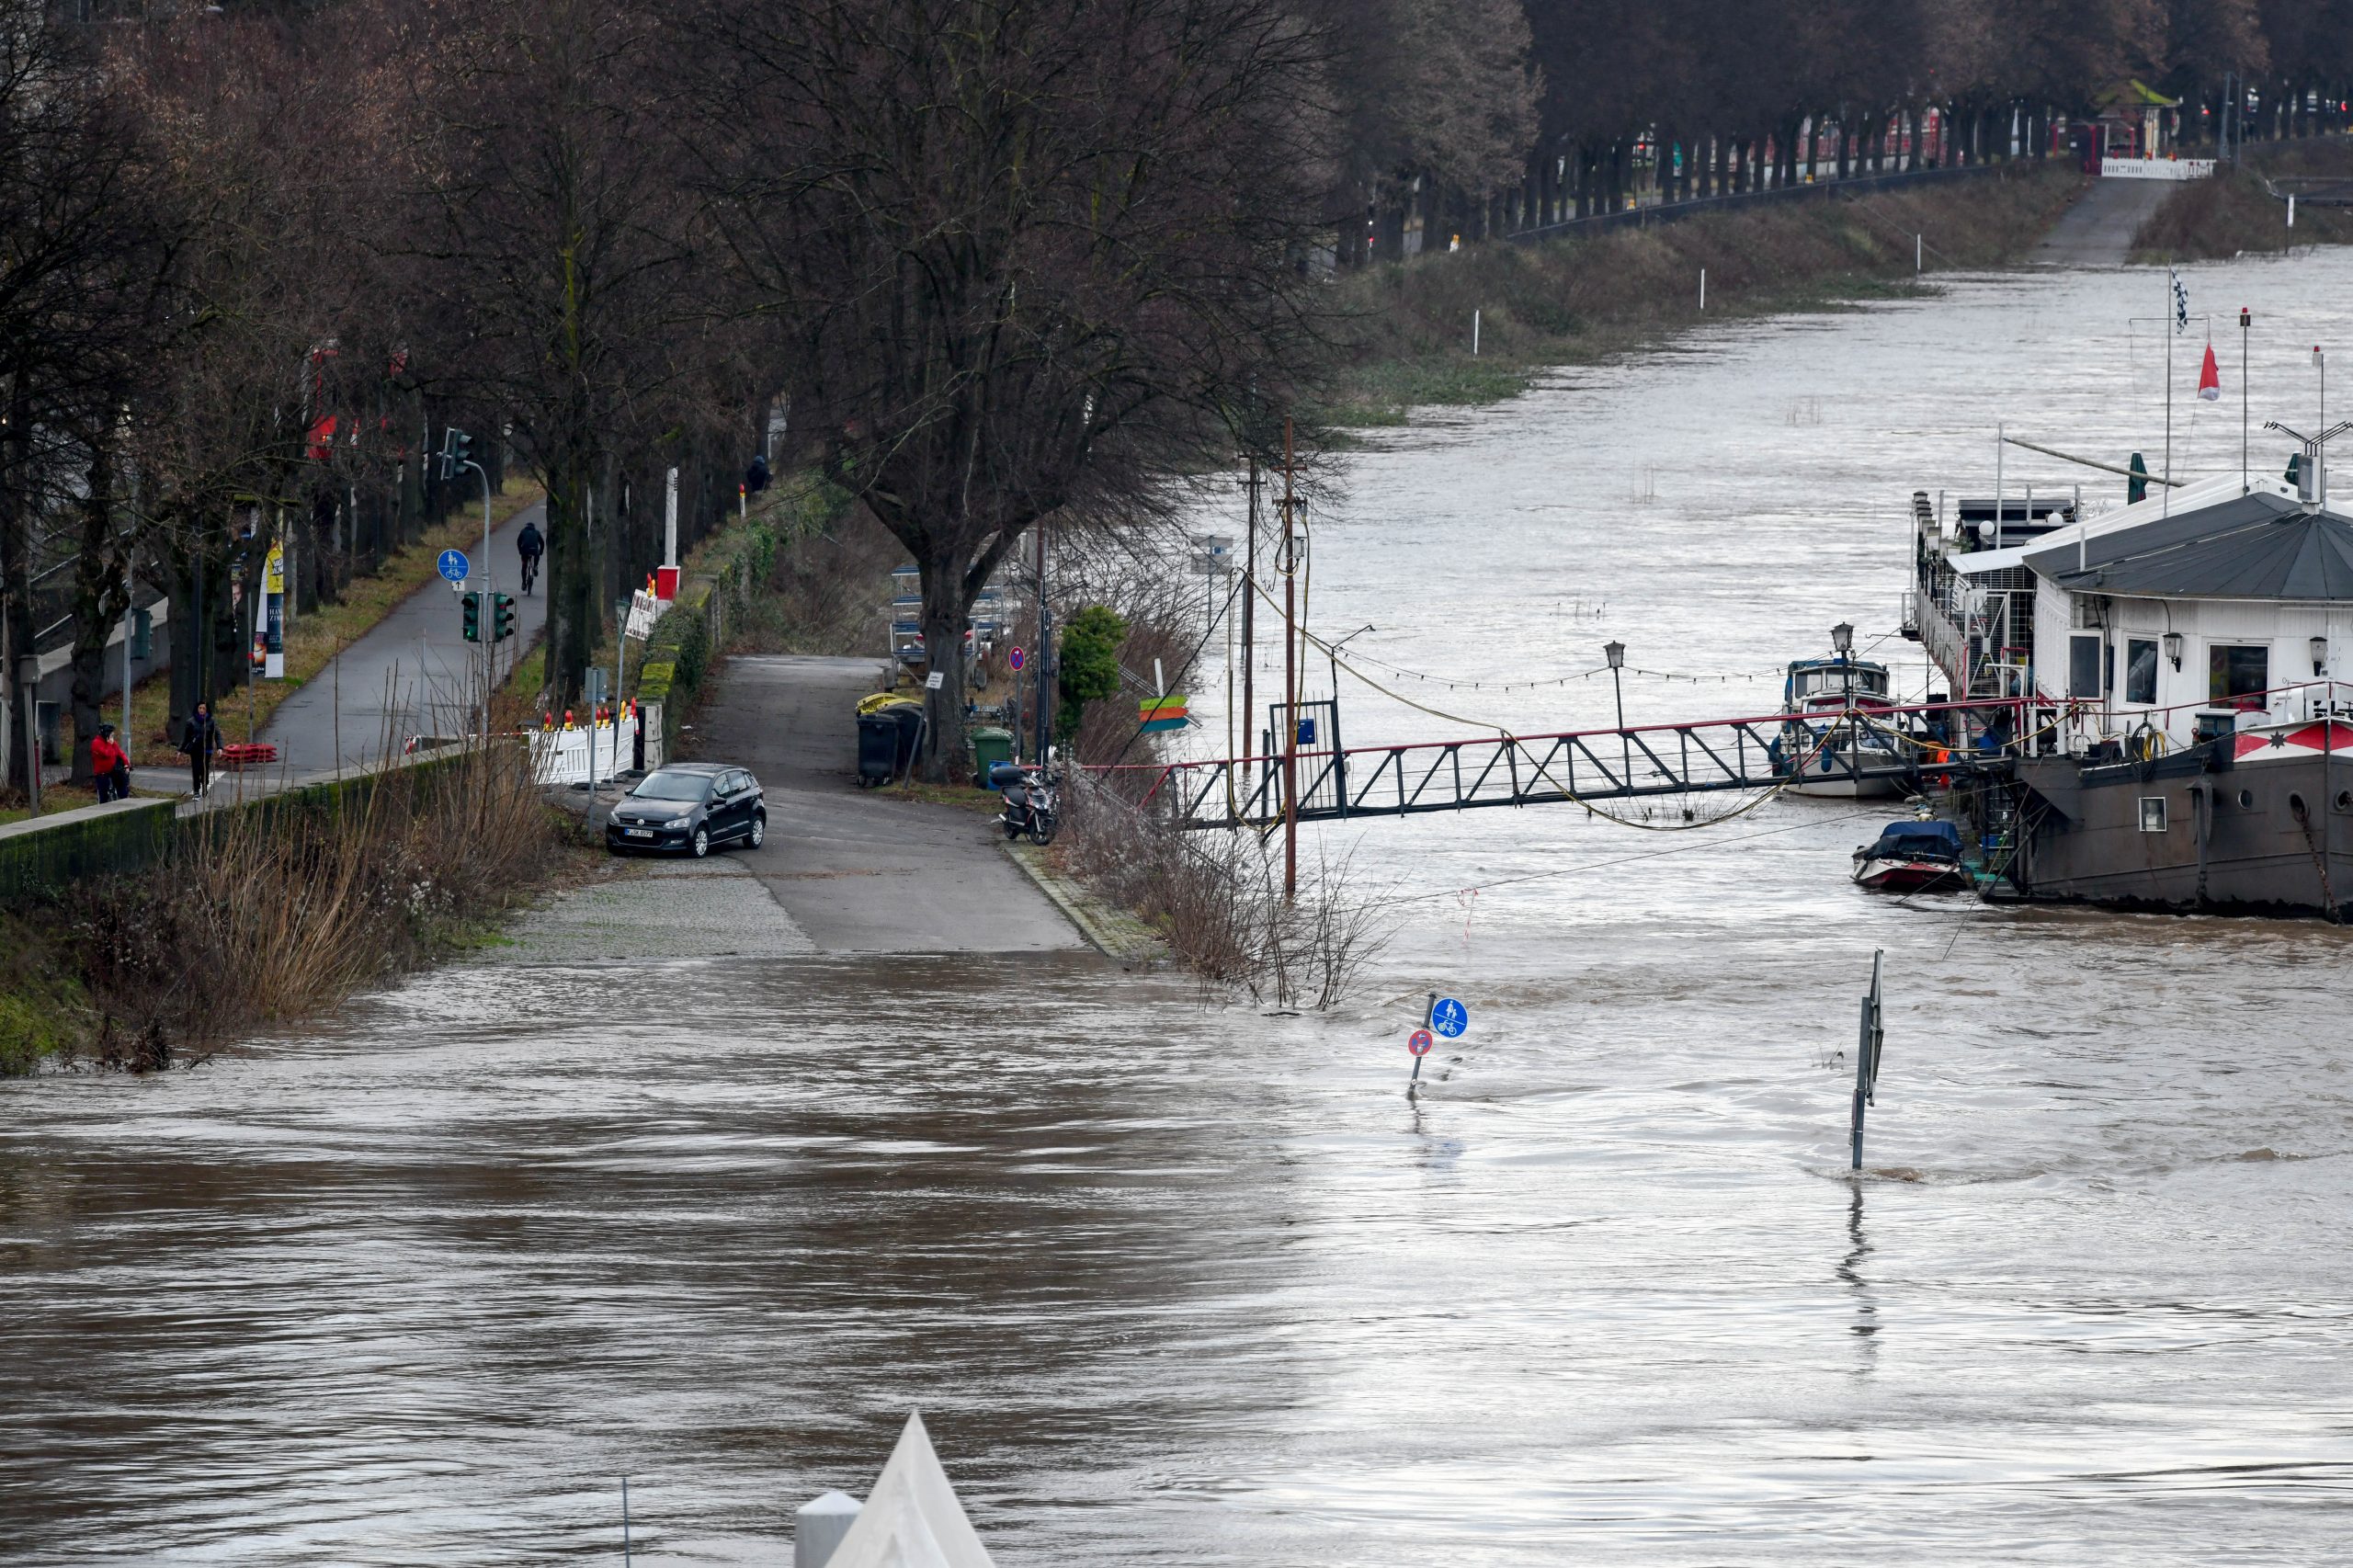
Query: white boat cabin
[2215, 606]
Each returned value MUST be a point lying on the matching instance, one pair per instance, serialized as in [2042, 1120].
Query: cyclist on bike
[530, 546]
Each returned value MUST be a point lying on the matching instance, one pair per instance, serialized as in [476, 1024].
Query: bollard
[818, 1527]
[1704, 291]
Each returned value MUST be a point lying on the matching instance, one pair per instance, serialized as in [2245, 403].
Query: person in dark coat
[530, 545]
[200, 738]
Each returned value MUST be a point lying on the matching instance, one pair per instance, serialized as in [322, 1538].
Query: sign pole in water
[1867, 1044]
[1442, 1015]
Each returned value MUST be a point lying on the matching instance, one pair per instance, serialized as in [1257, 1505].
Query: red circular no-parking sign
[1017, 659]
[1419, 1042]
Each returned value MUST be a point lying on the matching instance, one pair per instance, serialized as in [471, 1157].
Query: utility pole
[2244, 321]
[1045, 630]
[1249, 621]
[1290, 678]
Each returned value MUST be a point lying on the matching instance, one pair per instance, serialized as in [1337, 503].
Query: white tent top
[912, 1519]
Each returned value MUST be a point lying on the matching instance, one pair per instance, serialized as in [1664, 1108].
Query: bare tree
[1032, 256]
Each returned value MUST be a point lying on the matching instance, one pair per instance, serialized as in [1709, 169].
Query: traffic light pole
[489, 612]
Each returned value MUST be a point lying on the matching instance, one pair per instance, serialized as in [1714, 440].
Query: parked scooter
[1029, 800]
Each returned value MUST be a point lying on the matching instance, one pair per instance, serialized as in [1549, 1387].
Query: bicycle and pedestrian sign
[452, 565]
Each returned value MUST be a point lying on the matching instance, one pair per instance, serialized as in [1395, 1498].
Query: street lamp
[1615, 651]
[1331, 655]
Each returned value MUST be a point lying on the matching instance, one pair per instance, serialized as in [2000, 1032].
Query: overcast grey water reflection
[1187, 1286]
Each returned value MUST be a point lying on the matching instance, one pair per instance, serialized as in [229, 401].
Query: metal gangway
[1848, 746]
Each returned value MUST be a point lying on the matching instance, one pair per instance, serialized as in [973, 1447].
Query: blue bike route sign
[1449, 1017]
[452, 565]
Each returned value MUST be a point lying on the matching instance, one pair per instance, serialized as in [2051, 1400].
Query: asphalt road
[861, 872]
[408, 676]
[2098, 229]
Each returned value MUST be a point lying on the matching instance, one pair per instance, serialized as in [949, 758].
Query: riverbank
[275, 912]
[2235, 214]
[1575, 300]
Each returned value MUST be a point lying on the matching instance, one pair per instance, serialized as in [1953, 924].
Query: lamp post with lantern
[1615, 651]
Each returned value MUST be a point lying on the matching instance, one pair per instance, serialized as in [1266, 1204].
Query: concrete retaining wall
[40, 857]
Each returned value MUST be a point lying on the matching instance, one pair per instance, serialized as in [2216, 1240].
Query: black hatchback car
[690, 808]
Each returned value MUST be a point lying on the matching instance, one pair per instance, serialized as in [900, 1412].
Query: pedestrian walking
[530, 546]
[200, 737]
[109, 766]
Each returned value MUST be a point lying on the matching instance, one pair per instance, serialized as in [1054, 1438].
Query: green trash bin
[991, 746]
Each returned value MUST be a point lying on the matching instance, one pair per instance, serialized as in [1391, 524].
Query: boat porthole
[2246, 799]
[2345, 800]
[2295, 805]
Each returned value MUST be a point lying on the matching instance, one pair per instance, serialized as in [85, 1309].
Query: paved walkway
[858, 871]
[408, 676]
[2098, 229]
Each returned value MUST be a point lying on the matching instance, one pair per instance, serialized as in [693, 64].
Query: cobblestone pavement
[649, 911]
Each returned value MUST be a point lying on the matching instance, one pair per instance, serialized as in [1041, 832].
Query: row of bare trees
[998, 258]
[1480, 115]
[1001, 260]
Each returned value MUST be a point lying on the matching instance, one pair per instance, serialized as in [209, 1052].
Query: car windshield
[673, 787]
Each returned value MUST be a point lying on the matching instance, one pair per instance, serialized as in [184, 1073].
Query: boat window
[2140, 669]
[2083, 667]
[2152, 813]
[2237, 676]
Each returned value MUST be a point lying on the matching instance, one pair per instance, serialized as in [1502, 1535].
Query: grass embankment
[1575, 300]
[2214, 220]
[265, 914]
[314, 638]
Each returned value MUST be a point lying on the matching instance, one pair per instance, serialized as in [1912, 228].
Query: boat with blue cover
[1913, 856]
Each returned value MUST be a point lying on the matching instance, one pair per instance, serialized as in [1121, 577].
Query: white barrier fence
[2156, 168]
[561, 756]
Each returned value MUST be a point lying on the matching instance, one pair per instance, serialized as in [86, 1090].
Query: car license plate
[639, 832]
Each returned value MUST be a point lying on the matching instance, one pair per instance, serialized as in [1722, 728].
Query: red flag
[2210, 378]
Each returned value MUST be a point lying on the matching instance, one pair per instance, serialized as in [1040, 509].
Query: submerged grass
[1575, 301]
[268, 914]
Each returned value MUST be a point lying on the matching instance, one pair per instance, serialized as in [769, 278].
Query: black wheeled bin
[878, 748]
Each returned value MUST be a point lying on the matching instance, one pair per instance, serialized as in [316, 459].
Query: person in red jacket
[111, 766]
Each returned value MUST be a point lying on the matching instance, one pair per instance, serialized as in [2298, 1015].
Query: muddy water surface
[1181, 1284]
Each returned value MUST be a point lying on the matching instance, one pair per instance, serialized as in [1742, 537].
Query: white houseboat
[2179, 738]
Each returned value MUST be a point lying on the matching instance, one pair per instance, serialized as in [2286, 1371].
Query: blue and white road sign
[1449, 1017]
[452, 565]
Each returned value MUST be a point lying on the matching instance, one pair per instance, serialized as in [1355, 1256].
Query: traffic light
[501, 617]
[473, 618]
[457, 451]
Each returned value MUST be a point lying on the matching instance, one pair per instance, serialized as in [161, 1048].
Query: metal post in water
[1704, 291]
[1429, 1015]
[625, 1540]
[2244, 321]
[1474, 332]
[1867, 1044]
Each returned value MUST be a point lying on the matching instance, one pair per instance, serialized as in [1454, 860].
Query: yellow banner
[273, 571]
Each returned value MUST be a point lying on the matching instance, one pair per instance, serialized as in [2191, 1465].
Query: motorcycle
[1029, 801]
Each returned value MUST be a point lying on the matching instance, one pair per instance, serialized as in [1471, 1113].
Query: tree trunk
[16, 575]
[101, 594]
[571, 573]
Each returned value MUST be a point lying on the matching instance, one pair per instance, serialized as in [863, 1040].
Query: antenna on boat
[2312, 473]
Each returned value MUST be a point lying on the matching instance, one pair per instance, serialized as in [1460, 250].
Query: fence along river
[1172, 1283]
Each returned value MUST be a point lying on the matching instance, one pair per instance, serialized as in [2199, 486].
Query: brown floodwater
[1188, 1284]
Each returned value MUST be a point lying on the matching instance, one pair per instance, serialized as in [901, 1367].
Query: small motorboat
[1837, 743]
[1919, 855]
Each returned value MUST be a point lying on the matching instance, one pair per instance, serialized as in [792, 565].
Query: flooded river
[1182, 1285]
